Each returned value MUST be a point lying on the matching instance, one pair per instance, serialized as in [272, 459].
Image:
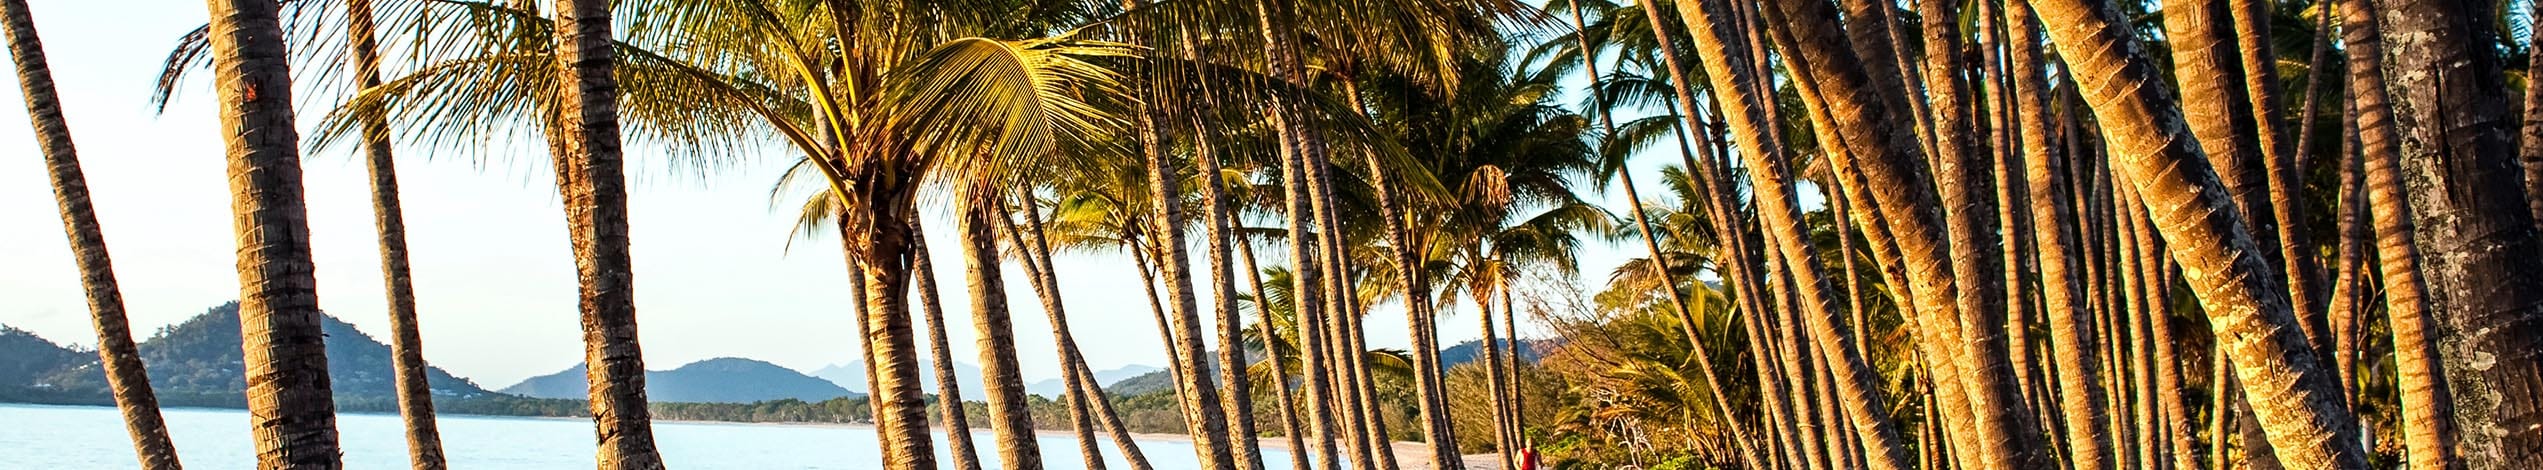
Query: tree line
[2083, 234]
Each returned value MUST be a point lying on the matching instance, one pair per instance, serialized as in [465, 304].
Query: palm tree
[1086, 396]
[2286, 383]
[290, 405]
[2060, 288]
[406, 338]
[2452, 116]
[2428, 425]
[1001, 373]
[116, 352]
[594, 185]
[948, 385]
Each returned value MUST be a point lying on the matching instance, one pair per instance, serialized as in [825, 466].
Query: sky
[716, 274]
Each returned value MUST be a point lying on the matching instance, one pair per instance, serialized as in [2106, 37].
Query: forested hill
[200, 358]
[1529, 350]
[24, 357]
[719, 380]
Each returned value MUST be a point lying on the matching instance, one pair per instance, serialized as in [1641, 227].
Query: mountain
[201, 357]
[25, 357]
[718, 380]
[1529, 350]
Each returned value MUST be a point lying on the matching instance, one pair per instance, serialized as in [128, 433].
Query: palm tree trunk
[1085, 394]
[1777, 204]
[121, 358]
[2280, 163]
[884, 255]
[596, 212]
[949, 405]
[2530, 135]
[1504, 444]
[1280, 387]
[2217, 100]
[2349, 289]
[2285, 381]
[2078, 376]
[1659, 264]
[1297, 148]
[1104, 409]
[2428, 417]
[1237, 398]
[1428, 386]
[2484, 256]
[290, 405]
[1196, 390]
[414, 390]
[857, 313]
[1002, 375]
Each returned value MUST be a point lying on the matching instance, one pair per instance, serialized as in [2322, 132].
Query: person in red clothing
[1527, 456]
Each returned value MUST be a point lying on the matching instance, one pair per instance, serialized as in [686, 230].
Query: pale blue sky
[493, 273]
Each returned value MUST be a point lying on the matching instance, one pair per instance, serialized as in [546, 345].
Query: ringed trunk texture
[595, 195]
[290, 403]
[2289, 387]
[2069, 320]
[116, 352]
[406, 338]
[2428, 425]
[1009, 418]
[1855, 382]
[957, 421]
[2484, 259]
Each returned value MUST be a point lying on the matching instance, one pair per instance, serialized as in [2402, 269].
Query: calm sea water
[88, 437]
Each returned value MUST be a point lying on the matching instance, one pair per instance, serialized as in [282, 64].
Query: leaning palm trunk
[2216, 101]
[1855, 380]
[414, 390]
[2288, 386]
[290, 403]
[1871, 148]
[2078, 376]
[1086, 396]
[116, 352]
[1010, 419]
[1504, 444]
[595, 195]
[957, 423]
[1237, 397]
[1659, 265]
[1280, 375]
[2484, 256]
[1298, 147]
[1428, 379]
[2428, 425]
[1195, 390]
[2279, 163]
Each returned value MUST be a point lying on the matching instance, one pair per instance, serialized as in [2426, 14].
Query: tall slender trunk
[2428, 415]
[2530, 135]
[1238, 396]
[883, 251]
[1280, 369]
[595, 196]
[290, 403]
[288, 395]
[1504, 444]
[1777, 202]
[857, 313]
[1104, 410]
[1196, 391]
[1297, 148]
[949, 408]
[406, 339]
[1001, 374]
[1086, 396]
[1428, 379]
[2216, 100]
[1659, 263]
[2281, 166]
[120, 357]
[2484, 255]
[2070, 334]
[2286, 383]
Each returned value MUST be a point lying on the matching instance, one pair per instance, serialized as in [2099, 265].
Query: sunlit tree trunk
[2078, 375]
[1280, 384]
[595, 197]
[125, 375]
[957, 421]
[1086, 395]
[2484, 257]
[2287, 385]
[2428, 415]
[1001, 374]
[1296, 149]
[406, 339]
[1237, 398]
[290, 404]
